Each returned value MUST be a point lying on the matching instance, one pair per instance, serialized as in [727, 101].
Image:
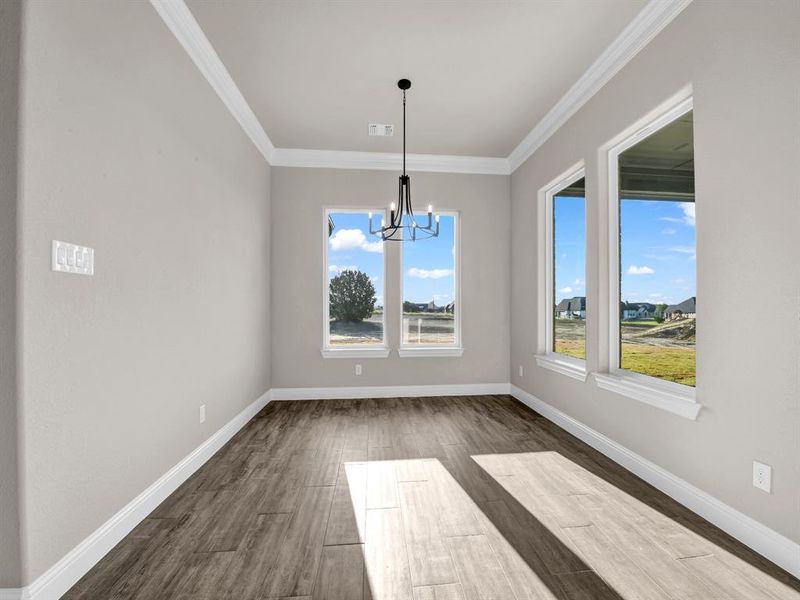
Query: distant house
[632, 311]
[427, 307]
[684, 310]
[572, 308]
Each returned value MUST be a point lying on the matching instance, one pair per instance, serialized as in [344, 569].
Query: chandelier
[403, 225]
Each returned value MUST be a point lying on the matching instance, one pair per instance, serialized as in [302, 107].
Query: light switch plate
[762, 476]
[71, 258]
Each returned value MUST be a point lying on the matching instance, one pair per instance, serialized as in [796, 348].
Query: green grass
[670, 364]
[576, 348]
[648, 323]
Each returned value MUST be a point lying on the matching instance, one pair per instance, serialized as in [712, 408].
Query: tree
[352, 296]
[659, 315]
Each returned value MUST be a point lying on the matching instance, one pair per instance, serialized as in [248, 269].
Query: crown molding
[645, 26]
[184, 26]
[387, 161]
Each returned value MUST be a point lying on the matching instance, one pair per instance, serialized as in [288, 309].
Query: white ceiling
[483, 73]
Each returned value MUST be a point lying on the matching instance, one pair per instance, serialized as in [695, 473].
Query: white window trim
[439, 350]
[545, 356]
[673, 397]
[351, 350]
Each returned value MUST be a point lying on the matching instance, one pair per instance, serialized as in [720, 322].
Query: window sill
[376, 352]
[430, 352]
[672, 397]
[566, 365]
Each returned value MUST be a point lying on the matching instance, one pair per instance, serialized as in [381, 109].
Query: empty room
[244, 358]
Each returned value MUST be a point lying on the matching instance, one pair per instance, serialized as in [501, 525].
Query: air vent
[381, 130]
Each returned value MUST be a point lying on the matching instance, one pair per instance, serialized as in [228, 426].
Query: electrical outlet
[521, 371]
[202, 413]
[358, 369]
[762, 476]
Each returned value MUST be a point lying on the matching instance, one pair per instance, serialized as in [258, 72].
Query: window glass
[429, 288]
[569, 268]
[355, 281]
[657, 255]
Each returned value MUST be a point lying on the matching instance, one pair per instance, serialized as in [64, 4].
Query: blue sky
[428, 265]
[657, 250]
[352, 247]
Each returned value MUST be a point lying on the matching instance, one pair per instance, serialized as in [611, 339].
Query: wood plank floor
[459, 498]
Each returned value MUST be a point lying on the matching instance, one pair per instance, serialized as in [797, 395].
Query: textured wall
[10, 27]
[126, 148]
[743, 62]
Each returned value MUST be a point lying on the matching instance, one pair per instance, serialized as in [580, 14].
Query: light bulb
[430, 208]
[370, 216]
[392, 207]
[437, 218]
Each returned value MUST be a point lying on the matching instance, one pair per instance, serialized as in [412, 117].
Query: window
[354, 282]
[569, 270]
[431, 311]
[561, 217]
[656, 317]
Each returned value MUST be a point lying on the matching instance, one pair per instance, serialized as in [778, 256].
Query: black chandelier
[403, 225]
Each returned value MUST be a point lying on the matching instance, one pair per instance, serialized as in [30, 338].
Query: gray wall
[298, 198]
[127, 149]
[10, 27]
[744, 66]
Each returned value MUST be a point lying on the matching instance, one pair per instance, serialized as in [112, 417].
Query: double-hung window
[562, 280]
[354, 287]
[431, 309]
[652, 243]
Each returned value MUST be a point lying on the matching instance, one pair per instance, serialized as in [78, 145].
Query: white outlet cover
[202, 413]
[358, 369]
[762, 476]
[521, 371]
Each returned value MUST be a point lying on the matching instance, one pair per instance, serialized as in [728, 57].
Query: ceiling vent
[381, 130]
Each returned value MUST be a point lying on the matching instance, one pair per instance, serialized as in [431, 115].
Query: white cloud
[373, 247]
[643, 270]
[442, 299]
[669, 231]
[429, 273]
[353, 239]
[688, 213]
[340, 268]
[565, 290]
[576, 282]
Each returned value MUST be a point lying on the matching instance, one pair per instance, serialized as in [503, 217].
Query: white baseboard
[392, 391]
[767, 542]
[66, 572]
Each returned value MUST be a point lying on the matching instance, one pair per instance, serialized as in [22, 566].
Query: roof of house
[687, 306]
[637, 306]
[576, 304]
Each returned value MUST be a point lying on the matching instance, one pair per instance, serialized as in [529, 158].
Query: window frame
[674, 397]
[545, 356]
[439, 350]
[351, 350]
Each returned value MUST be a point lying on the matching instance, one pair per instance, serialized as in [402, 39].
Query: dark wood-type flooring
[426, 499]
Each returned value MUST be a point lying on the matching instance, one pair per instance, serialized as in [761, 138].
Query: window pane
[429, 288]
[569, 269]
[355, 280]
[657, 255]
